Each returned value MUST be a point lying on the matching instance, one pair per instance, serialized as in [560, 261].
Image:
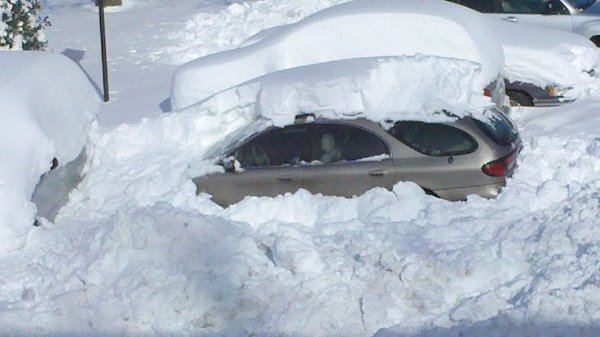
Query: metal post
[103, 47]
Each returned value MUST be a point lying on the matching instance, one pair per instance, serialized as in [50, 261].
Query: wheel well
[522, 93]
[596, 40]
[430, 192]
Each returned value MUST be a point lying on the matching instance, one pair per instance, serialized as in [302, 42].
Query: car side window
[339, 142]
[533, 7]
[483, 6]
[276, 147]
[434, 139]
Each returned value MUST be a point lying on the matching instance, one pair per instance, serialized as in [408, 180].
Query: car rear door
[348, 161]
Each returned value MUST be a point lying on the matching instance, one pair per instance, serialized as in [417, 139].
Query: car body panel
[450, 177]
[52, 191]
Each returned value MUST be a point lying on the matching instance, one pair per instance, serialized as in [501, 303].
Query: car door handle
[511, 19]
[285, 179]
[378, 173]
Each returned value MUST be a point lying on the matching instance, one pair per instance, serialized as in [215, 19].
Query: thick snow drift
[544, 56]
[47, 107]
[379, 89]
[364, 28]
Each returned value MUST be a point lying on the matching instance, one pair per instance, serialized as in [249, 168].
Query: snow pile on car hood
[47, 106]
[363, 28]
[544, 56]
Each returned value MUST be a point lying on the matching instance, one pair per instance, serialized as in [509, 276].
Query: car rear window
[498, 127]
[434, 139]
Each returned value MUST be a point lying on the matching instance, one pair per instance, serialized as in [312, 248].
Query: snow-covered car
[358, 29]
[579, 16]
[349, 157]
[47, 110]
[542, 64]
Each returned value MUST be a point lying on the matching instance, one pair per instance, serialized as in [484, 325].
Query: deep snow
[47, 110]
[136, 252]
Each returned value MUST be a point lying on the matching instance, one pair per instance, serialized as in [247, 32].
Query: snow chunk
[47, 107]
[353, 30]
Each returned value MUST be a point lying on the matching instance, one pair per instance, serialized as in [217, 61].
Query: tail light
[487, 92]
[500, 167]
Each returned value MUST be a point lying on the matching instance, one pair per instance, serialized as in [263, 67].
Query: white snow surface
[47, 109]
[379, 89]
[363, 28]
[544, 56]
[136, 252]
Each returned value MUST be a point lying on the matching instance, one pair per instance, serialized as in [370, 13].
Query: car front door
[548, 13]
[270, 164]
[347, 161]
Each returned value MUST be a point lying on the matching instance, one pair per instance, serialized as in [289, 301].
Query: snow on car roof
[544, 56]
[377, 88]
[47, 107]
[363, 28]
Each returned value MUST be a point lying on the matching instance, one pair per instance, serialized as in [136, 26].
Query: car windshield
[582, 4]
[498, 127]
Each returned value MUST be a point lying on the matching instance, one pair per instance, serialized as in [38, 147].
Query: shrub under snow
[21, 27]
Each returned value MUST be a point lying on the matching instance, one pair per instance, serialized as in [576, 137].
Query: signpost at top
[101, 4]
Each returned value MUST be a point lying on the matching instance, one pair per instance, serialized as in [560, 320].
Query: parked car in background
[579, 16]
[527, 94]
[349, 157]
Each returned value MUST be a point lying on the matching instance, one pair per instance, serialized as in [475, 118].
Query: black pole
[103, 47]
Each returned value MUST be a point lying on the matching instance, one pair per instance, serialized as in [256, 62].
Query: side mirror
[229, 164]
[552, 7]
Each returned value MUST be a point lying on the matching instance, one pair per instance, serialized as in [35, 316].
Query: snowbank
[207, 33]
[47, 107]
[138, 253]
[359, 29]
[544, 56]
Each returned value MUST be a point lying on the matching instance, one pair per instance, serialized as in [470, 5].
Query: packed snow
[137, 252]
[47, 110]
[359, 29]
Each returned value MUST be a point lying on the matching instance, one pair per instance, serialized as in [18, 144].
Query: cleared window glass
[434, 139]
[339, 142]
[483, 6]
[275, 147]
[533, 7]
[498, 127]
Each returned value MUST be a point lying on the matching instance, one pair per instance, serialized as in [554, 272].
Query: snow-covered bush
[21, 27]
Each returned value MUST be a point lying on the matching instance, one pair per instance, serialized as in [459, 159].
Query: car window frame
[563, 10]
[264, 132]
[472, 139]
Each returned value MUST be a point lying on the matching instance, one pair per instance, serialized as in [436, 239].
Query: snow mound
[544, 56]
[137, 252]
[363, 28]
[379, 89]
[208, 33]
[47, 108]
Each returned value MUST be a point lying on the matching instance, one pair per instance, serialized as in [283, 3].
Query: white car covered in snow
[47, 109]
[357, 29]
[545, 66]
